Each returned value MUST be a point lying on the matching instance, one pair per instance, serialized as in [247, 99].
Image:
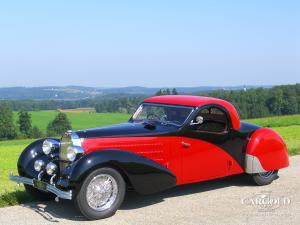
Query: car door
[202, 155]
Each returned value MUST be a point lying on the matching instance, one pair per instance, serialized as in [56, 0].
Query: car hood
[128, 130]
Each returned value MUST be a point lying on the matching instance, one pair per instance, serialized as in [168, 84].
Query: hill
[79, 92]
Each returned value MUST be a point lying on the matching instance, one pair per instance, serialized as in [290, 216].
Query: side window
[211, 120]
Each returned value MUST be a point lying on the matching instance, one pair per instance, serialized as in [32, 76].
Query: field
[78, 120]
[287, 126]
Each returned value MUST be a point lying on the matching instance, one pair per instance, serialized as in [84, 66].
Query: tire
[265, 178]
[39, 195]
[94, 185]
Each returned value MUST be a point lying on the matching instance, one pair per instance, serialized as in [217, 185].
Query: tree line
[255, 103]
[252, 103]
[24, 127]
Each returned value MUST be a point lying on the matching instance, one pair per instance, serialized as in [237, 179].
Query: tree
[59, 125]
[158, 93]
[7, 128]
[174, 91]
[24, 122]
[36, 132]
[167, 91]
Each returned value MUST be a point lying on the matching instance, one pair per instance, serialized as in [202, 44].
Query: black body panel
[233, 142]
[127, 130]
[248, 127]
[26, 160]
[145, 176]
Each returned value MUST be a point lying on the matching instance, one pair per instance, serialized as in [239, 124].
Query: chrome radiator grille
[65, 142]
[68, 139]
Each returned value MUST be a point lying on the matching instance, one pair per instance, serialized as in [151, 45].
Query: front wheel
[101, 194]
[265, 178]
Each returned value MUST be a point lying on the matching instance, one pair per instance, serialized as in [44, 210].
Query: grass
[9, 154]
[287, 126]
[277, 121]
[78, 120]
[291, 136]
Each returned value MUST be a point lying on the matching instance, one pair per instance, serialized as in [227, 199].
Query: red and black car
[169, 141]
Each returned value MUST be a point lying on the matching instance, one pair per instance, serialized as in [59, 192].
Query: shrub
[7, 128]
[59, 125]
[24, 122]
[36, 132]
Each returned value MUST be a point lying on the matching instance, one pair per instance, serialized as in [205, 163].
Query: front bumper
[49, 187]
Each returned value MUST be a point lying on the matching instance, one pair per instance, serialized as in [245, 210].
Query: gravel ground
[231, 200]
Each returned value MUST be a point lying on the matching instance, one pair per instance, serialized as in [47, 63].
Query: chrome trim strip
[75, 139]
[253, 165]
[50, 188]
[52, 179]
[40, 175]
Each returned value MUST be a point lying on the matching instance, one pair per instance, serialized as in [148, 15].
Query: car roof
[197, 101]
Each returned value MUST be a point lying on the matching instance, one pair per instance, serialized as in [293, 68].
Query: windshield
[164, 114]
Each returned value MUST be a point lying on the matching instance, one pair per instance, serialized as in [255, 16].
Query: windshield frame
[161, 105]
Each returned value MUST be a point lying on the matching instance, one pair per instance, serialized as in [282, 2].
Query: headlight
[73, 151]
[51, 168]
[49, 145]
[39, 165]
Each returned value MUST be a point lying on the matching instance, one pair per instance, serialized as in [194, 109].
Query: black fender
[29, 155]
[145, 175]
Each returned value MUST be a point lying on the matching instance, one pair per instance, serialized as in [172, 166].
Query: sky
[149, 43]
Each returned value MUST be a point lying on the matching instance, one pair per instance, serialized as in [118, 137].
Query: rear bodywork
[265, 151]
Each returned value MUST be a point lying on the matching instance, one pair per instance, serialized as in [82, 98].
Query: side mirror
[198, 120]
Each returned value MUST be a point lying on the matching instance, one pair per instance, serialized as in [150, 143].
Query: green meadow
[287, 126]
[78, 120]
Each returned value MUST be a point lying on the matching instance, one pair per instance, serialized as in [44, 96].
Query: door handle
[185, 144]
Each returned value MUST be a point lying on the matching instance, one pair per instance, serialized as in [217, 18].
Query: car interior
[211, 120]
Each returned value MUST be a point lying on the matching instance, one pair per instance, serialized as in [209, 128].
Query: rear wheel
[101, 194]
[265, 178]
[39, 195]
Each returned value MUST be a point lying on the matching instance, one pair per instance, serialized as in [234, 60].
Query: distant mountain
[80, 92]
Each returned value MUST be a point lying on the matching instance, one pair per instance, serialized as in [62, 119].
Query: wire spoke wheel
[101, 192]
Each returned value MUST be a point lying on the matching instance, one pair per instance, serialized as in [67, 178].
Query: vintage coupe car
[169, 141]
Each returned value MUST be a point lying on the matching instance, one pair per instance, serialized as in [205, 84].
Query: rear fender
[265, 151]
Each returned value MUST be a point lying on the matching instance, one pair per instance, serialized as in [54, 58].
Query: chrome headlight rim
[39, 165]
[73, 152]
[49, 145]
[51, 168]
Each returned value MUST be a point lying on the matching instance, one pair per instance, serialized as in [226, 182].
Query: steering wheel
[152, 116]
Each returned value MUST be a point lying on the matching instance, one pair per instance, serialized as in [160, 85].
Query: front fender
[146, 176]
[31, 153]
[265, 151]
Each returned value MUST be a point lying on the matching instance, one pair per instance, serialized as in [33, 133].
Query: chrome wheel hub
[102, 192]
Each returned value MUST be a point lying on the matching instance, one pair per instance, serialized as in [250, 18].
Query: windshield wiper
[170, 123]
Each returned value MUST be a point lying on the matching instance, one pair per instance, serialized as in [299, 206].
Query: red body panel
[204, 161]
[269, 148]
[197, 162]
[154, 148]
[197, 101]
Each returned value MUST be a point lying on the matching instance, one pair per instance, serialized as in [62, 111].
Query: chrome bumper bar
[50, 188]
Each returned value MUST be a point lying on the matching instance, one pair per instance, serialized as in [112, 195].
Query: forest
[250, 103]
